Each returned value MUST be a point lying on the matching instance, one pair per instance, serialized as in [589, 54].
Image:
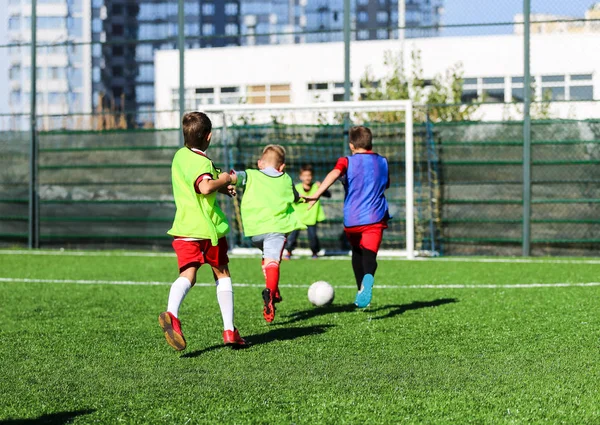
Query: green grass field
[443, 342]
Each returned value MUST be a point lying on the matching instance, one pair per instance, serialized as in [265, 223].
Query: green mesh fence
[113, 188]
[482, 187]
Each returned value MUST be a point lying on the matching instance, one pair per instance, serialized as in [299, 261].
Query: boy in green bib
[268, 216]
[308, 217]
[199, 229]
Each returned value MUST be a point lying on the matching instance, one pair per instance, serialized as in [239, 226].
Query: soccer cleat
[233, 338]
[172, 329]
[277, 297]
[363, 297]
[287, 256]
[269, 309]
[315, 256]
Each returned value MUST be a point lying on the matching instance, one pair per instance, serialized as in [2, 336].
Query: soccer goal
[316, 134]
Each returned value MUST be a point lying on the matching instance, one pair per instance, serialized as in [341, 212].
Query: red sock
[271, 271]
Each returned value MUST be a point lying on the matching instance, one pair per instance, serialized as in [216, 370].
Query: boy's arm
[208, 186]
[326, 184]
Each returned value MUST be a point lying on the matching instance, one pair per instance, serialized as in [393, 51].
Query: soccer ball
[320, 293]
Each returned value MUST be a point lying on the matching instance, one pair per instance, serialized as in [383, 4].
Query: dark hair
[307, 167]
[361, 137]
[196, 128]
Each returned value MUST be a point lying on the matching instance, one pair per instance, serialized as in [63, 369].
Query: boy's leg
[189, 258]
[217, 257]
[313, 239]
[292, 241]
[272, 245]
[369, 244]
[357, 265]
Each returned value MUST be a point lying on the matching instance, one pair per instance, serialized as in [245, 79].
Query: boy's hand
[234, 177]
[310, 200]
[225, 178]
[231, 191]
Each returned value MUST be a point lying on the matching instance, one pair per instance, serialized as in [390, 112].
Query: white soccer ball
[320, 293]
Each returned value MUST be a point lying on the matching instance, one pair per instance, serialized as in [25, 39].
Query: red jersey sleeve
[205, 176]
[342, 165]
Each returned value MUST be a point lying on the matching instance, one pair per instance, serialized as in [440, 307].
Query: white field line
[256, 285]
[382, 256]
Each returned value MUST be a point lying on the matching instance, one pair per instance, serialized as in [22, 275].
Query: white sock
[179, 289]
[225, 298]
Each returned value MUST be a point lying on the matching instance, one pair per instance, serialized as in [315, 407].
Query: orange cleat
[234, 339]
[171, 326]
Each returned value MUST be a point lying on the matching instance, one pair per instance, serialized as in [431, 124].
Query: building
[548, 24]
[128, 33]
[492, 65]
[63, 68]
[377, 19]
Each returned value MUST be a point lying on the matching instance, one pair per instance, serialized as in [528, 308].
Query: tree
[442, 95]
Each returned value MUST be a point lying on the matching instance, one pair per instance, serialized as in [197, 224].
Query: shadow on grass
[59, 418]
[281, 334]
[415, 305]
[319, 311]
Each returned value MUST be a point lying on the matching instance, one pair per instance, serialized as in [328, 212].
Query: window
[581, 77]
[382, 17]
[553, 93]
[469, 93]
[96, 25]
[274, 93]
[553, 78]
[144, 52]
[231, 29]
[145, 73]
[55, 98]
[363, 35]
[15, 97]
[363, 17]
[382, 34]
[318, 86]
[191, 9]
[493, 89]
[208, 9]
[117, 71]
[362, 2]
[208, 29]
[96, 74]
[76, 76]
[14, 73]
[582, 93]
[191, 29]
[75, 26]
[118, 29]
[144, 93]
[56, 73]
[231, 9]
[75, 99]
[14, 23]
[118, 50]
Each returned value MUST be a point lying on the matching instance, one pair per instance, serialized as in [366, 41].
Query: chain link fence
[101, 156]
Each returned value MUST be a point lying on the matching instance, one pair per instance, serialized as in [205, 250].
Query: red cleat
[277, 297]
[172, 329]
[269, 308]
[233, 338]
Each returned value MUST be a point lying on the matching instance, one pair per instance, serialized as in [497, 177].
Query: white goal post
[329, 112]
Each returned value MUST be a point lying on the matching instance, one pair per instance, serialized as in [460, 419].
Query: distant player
[365, 178]
[309, 218]
[268, 216]
[199, 229]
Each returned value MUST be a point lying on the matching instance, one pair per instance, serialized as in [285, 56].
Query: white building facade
[63, 71]
[565, 70]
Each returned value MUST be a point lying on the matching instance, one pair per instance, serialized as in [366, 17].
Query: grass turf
[95, 354]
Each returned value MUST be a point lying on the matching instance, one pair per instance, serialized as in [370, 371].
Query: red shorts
[367, 236]
[196, 253]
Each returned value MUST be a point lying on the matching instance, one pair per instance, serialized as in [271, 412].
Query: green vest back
[197, 216]
[267, 204]
[315, 214]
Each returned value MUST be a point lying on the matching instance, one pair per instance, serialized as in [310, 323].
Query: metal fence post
[181, 47]
[526, 133]
[34, 219]
[347, 85]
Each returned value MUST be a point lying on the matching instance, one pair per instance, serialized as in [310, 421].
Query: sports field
[445, 341]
